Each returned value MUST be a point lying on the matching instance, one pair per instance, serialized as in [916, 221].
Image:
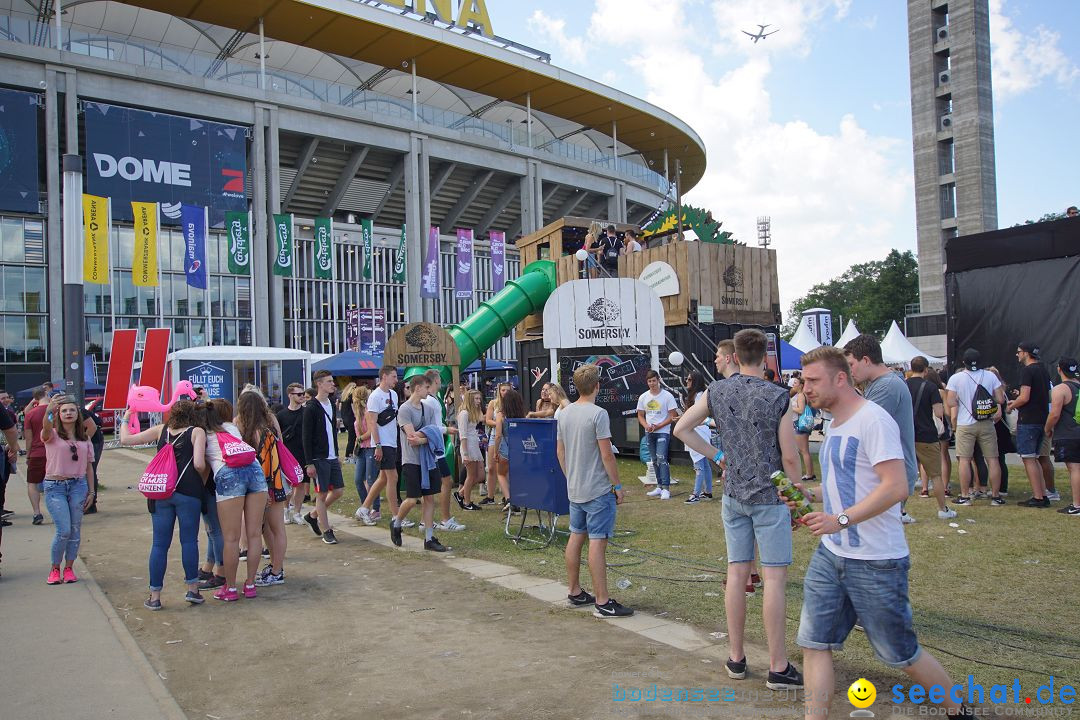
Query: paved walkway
[66, 653]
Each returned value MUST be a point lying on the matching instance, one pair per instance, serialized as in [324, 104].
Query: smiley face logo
[862, 693]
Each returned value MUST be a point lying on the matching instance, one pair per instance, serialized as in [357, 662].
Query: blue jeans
[64, 500]
[215, 539]
[186, 509]
[658, 452]
[703, 476]
[838, 591]
[768, 525]
[596, 517]
[365, 473]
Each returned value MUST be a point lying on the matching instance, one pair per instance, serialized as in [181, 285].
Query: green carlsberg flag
[283, 234]
[324, 248]
[366, 233]
[399, 260]
[239, 229]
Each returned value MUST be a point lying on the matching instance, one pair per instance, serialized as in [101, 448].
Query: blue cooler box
[536, 480]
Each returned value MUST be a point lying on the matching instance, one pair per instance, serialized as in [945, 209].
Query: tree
[872, 294]
[1045, 218]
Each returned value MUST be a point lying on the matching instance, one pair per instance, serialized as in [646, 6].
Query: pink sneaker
[69, 575]
[249, 591]
[54, 577]
[227, 594]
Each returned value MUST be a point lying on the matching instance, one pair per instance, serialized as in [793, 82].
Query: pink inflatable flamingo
[142, 398]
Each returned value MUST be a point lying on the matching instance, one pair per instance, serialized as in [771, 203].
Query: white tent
[850, 333]
[803, 339]
[896, 348]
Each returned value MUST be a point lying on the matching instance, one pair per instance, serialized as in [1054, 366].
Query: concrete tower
[952, 121]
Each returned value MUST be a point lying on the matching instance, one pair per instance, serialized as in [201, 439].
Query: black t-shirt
[7, 421]
[292, 425]
[99, 437]
[609, 248]
[923, 406]
[1038, 405]
[190, 482]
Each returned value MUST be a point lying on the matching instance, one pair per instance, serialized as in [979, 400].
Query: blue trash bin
[536, 479]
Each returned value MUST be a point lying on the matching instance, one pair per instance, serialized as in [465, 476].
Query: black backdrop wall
[1008, 286]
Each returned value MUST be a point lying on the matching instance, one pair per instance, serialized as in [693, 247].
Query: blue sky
[812, 126]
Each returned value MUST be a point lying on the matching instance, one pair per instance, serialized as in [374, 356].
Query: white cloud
[1022, 61]
[836, 196]
[572, 50]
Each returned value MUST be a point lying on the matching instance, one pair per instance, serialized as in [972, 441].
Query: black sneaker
[152, 604]
[997, 501]
[487, 501]
[736, 669]
[961, 500]
[5, 523]
[434, 545]
[460, 499]
[266, 554]
[5, 513]
[611, 609]
[790, 679]
[314, 523]
[214, 581]
[38, 519]
[707, 496]
[395, 533]
[243, 554]
[328, 537]
[582, 598]
[471, 507]
[1043, 502]
[1070, 510]
[194, 597]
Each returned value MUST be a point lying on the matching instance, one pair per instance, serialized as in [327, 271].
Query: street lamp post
[74, 322]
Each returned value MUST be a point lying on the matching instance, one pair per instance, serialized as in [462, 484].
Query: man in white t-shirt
[859, 571]
[657, 413]
[971, 431]
[382, 409]
[631, 244]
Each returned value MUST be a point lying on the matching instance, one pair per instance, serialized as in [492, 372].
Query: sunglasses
[74, 451]
[296, 394]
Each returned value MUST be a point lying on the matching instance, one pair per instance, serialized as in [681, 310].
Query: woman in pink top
[69, 473]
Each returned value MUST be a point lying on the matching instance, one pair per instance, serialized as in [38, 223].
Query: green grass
[1004, 593]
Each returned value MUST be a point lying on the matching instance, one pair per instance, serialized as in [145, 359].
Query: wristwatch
[843, 519]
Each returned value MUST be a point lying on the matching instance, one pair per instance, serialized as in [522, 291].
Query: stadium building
[409, 113]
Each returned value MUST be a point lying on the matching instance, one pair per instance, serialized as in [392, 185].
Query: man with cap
[1062, 426]
[965, 399]
[1033, 406]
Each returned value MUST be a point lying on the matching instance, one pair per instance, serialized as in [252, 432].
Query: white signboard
[661, 277]
[705, 313]
[610, 312]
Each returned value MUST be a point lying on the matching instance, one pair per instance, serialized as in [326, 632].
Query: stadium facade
[408, 113]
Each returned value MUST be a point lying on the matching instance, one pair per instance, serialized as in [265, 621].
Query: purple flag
[498, 260]
[429, 285]
[463, 285]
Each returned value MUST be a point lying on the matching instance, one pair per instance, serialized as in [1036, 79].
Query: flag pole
[251, 283]
[208, 337]
[160, 287]
[333, 305]
[291, 340]
[112, 298]
[372, 303]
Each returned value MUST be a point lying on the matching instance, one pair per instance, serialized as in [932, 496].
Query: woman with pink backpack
[184, 504]
[241, 495]
[259, 428]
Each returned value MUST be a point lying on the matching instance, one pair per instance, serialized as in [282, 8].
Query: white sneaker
[298, 518]
[655, 492]
[407, 523]
[451, 525]
[907, 519]
[363, 514]
[946, 514]
[665, 495]
[1052, 496]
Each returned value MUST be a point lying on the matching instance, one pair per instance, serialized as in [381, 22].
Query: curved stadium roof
[373, 35]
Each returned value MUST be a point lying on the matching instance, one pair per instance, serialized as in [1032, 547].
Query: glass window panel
[180, 304]
[35, 289]
[198, 332]
[213, 240]
[243, 302]
[215, 295]
[13, 290]
[228, 297]
[127, 298]
[12, 243]
[37, 334]
[180, 338]
[14, 339]
[244, 332]
[216, 326]
[95, 341]
[230, 332]
[126, 247]
[170, 250]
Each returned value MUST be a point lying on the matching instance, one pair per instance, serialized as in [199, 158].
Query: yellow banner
[96, 245]
[144, 272]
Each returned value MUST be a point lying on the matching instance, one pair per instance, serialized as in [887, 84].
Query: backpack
[289, 466]
[983, 406]
[1075, 387]
[271, 464]
[158, 481]
[805, 422]
[234, 451]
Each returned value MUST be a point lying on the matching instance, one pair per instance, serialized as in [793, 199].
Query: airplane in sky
[761, 34]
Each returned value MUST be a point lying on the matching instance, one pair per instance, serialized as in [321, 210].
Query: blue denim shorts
[769, 525]
[838, 592]
[237, 482]
[596, 517]
[1028, 440]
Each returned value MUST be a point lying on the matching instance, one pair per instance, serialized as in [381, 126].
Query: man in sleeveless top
[1062, 427]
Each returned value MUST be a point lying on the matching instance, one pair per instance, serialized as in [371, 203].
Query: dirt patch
[364, 631]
